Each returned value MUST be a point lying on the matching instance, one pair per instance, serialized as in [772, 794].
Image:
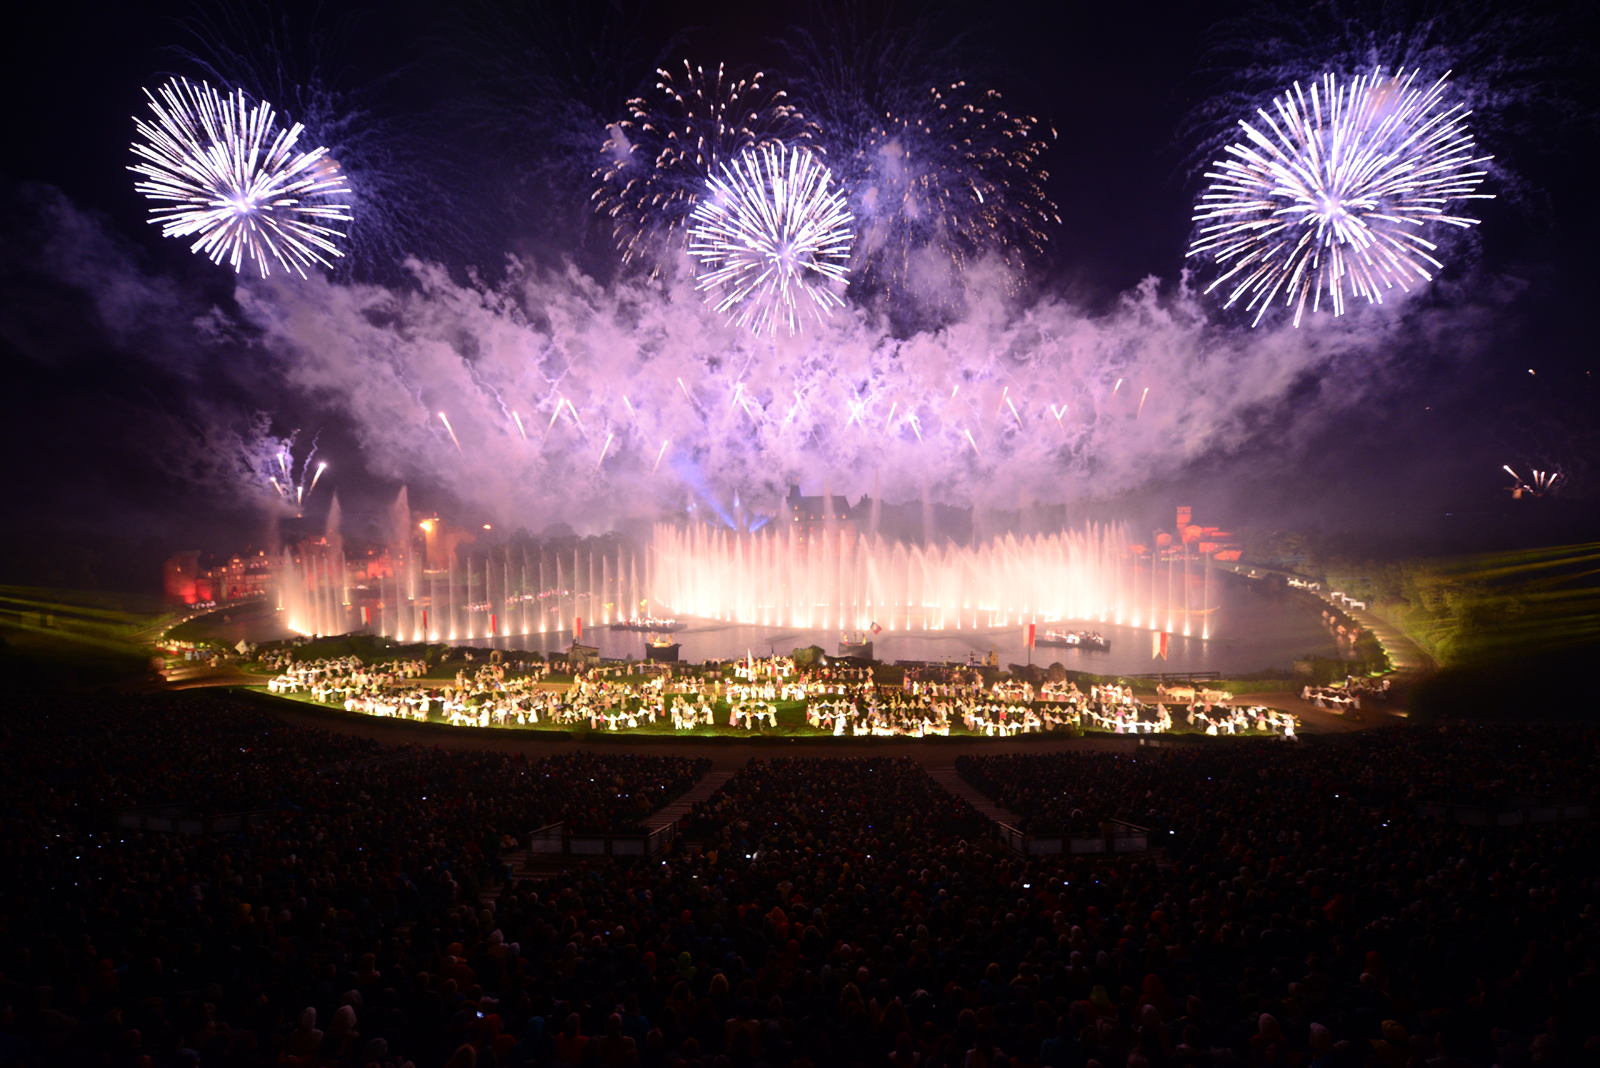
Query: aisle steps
[945, 775]
[524, 864]
[678, 809]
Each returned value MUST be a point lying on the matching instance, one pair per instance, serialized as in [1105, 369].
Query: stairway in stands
[945, 775]
[525, 865]
[678, 809]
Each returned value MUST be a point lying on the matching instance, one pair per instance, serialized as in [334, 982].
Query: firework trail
[772, 239]
[1331, 195]
[445, 419]
[268, 461]
[659, 159]
[1542, 483]
[221, 170]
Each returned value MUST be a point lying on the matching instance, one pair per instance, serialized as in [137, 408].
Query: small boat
[857, 645]
[662, 650]
[649, 625]
[1074, 639]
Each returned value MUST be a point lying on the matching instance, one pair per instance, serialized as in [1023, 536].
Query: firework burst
[659, 159]
[223, 171]
[772, 239]
[394, 161]
[1517, 63]
[953, 172]
[939, 173]
[1332, 195]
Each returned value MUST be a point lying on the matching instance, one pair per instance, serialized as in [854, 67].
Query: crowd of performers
[844, 701]
[1345, 697]
[345, 678]
[1341, 626]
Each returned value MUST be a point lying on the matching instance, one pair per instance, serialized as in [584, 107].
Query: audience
[1298, 913]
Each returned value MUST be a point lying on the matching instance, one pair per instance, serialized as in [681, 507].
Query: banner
[1030, 635]
[494, 625]
[1158, 644]
[577, 628]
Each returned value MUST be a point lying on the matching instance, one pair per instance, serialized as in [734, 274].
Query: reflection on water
[1254, 629]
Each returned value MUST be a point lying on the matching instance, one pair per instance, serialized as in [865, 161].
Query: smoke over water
[586, 403]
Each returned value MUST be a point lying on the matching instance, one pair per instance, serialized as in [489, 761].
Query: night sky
[100, 422]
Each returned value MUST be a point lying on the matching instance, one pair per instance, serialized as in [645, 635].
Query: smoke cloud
[633, 398]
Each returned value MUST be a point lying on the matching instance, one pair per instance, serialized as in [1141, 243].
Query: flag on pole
[424, 622]
[494, 625]
[577, 628]
[1030, 635]
[366, 615]
[1158, 644]
[876, 629]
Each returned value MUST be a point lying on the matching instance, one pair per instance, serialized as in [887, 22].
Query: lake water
[1255, 628]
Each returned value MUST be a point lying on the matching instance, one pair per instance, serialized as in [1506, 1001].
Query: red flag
[424, 622]
[1030, 635]
[876, 629]
[366, 615]
[494, 626]
[577, 628]
[1158, 644]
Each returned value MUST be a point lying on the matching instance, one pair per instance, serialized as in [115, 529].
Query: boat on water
[857, 645]
[1074, 639]
[661, 649]
[649, 625]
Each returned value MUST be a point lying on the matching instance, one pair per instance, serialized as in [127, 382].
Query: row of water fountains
[517, 592]
[508, 592]
[312, 582]
[825, 576]
[828, 577]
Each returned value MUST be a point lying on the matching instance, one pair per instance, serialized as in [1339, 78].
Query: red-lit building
[184, 581]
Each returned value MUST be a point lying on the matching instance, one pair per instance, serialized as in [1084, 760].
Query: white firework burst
[223, 171]
[1336, 194]
[772, 239]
